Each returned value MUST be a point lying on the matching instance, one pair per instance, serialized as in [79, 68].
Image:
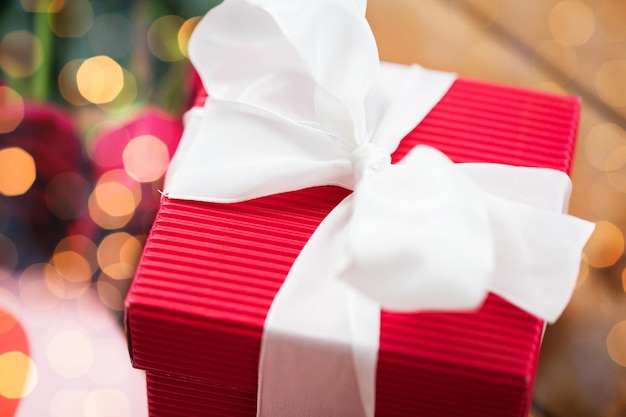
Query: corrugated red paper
[209, 272]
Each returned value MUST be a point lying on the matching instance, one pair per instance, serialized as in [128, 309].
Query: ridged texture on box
[209, 272]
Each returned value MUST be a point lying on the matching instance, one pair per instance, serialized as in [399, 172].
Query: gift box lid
[209, 272]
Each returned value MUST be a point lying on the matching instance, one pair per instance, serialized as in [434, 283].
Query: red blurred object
[209, 272]
[12, 339]
[35, 220]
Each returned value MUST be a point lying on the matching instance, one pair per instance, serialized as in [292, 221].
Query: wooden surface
[570, 47]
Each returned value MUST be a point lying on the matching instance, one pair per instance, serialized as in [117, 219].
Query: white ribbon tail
[320, 340]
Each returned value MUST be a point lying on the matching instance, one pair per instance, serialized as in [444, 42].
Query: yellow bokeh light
[11, 109]
[126, 98]
[146, 158]
[107, 219]
[68, 85]
[610, 82]
[18, 375]
[17, 171]
[605, 246]
[184, 33]
[118, 255]
[70, 353]
[115, 199]
[100, 79]
[163, 38]
[616, 343]
[72, 266]
[21, 53]
[64, 281]
[72, 20]
[50, 6]
[572, 22]
[82, 245]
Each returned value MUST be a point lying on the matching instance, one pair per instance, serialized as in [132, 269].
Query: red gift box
[209, 272]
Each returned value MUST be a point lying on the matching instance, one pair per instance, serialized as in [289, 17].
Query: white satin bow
[298, 98]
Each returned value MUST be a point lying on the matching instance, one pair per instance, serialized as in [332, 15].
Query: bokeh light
[68, 85]
[113, 202]
[572, 22]
[606, 245]
[21, 53]
[616, 343]
[18, 375]
[17, 171]
[163, 38]
[70, 353]
[115, 199]
[126, 97]
[68, 275]
[100, 79]
[184, 33]
[11, 109]
[146, 158]
[72, 20]
[81, 245]
[118, 254]
[610, 82]
[72, 266]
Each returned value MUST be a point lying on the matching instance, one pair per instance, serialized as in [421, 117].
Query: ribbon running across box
[294, 270]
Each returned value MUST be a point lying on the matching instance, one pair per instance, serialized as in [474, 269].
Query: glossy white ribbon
[298, 98]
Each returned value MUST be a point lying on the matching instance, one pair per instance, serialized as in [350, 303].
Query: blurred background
[91, 101]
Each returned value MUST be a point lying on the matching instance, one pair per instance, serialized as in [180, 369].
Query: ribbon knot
[368, 157]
